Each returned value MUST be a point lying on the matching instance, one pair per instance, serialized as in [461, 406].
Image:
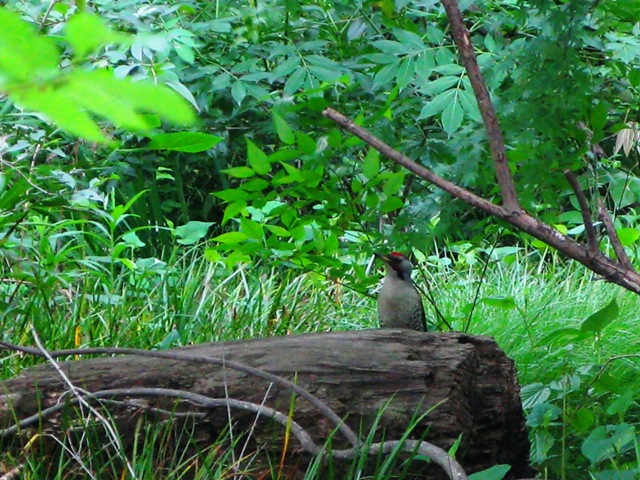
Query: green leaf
[295, 81]
[497, 472]
[508, 303]
[192, 232]
[386, 74]
[258, 160]
[231, 237]
[628, 236]
[452, 116]
[233, 194]
[371, 164]
[240, 172]
[391, 46]
[411, 39]
[405, 72]
[238, 91]
[391, 204]
[255, 185]
[599, 117]
[232, 211]
[86, 32]
[57, 107]
[25, 56]
[251, 228]
[470, 105]
[563, 336]
[608, 441]
[278, 231]
[437, 104]
[284, 131]
[394, 183]
[600, 319]
[190, 142]
[621, 404]
[68, 101]
[440, 85]
[583, 420]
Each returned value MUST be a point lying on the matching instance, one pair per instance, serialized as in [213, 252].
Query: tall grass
[523, 304]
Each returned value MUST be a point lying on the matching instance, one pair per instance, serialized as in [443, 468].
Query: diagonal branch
[613, 271]
[489, 117]
[618, 271]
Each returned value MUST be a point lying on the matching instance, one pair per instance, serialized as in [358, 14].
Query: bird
[399, 302]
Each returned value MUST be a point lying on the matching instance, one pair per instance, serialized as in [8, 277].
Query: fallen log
[464, 385]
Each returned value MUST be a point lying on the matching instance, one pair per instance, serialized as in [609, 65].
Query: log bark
[465, 384]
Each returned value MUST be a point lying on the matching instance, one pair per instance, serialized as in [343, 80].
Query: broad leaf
[600, 319]
[258, 160]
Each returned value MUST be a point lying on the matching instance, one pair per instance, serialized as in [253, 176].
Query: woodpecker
[399, 303]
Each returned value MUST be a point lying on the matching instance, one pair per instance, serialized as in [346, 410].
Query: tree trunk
[465, 383]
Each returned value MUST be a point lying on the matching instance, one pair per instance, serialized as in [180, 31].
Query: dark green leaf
[283, 129]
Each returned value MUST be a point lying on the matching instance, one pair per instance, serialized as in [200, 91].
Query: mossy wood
[466, 382]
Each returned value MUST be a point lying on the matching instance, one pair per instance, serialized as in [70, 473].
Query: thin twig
[603, 213]
[592, 240]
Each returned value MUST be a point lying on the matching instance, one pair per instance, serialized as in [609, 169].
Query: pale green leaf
[452, 116]
[192, 232]
[86, 32]
[24, 55]
[437, 104]
[371, 164]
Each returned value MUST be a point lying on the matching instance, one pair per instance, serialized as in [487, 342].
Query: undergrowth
[579, 386]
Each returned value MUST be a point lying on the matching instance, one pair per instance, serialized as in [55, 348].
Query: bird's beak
[382, 257]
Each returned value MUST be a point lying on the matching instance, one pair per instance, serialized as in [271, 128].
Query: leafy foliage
[96, 238]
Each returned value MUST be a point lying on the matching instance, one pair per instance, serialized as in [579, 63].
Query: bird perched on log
[399, 302]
